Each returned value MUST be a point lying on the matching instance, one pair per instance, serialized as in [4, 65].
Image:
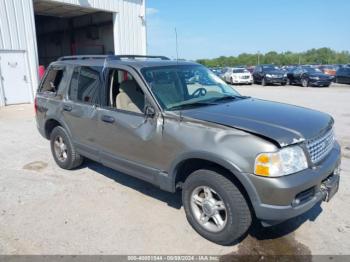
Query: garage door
[14, 76]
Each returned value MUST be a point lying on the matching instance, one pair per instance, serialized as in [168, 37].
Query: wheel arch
[191, 162]
[50, 124]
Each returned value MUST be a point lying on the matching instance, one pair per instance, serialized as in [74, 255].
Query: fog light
[295, 202]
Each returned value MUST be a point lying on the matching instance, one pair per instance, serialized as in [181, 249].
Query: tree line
[313, 56]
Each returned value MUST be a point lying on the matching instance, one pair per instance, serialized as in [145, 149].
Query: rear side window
[52, 80]
[85, 86]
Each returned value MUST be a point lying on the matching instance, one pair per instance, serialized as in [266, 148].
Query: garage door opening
[64, 30]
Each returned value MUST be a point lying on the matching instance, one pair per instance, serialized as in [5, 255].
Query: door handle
[67, 108]
[108, 119]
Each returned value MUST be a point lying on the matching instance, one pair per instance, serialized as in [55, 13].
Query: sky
[212, 28]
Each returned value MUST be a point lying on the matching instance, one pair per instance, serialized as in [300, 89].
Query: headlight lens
[284, 162]
[285, 75]
[314, 77]
[268, 75]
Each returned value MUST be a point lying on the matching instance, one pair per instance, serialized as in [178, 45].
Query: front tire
[215, 207]
[304, 82]
[263, 82]
[63, 150]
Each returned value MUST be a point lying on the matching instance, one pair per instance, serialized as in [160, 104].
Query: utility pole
[258, 57]
[177, 49]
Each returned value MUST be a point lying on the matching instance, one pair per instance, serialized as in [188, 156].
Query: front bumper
[271, 80]
[277, 196]
[319, 82]
[242, 81]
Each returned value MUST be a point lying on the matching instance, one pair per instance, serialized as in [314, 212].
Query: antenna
[177, 48]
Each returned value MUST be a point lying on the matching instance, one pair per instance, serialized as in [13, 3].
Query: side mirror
[150, 112]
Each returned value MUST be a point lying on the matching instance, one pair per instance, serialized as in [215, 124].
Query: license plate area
[329, 187]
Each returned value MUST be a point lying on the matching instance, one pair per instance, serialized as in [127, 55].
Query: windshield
[240, 70]
[180, 85]
[312, 70]
[270, 67]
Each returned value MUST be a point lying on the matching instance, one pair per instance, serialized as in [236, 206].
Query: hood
[282, 123]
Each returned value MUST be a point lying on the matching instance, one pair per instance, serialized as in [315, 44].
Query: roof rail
[120, 57]
[110, 57]
[82, 57]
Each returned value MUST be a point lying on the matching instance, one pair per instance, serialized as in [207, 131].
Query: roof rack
[82, 57]
[110, 57]
[120, 57]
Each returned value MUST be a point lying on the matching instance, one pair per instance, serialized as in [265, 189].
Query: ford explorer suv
[176, 125]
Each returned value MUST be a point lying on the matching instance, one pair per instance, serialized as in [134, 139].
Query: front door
[129, 139]
[14, 77]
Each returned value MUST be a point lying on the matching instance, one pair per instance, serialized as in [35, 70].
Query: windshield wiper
[190, 105]
[225, 98]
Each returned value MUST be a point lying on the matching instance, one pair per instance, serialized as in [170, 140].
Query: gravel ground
[95, 210]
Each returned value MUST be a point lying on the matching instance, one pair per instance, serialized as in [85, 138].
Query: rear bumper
[277, 197]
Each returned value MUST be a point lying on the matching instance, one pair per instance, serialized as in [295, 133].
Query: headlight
[268, 75]
[283, 162]
[314, 77]
[285, 75]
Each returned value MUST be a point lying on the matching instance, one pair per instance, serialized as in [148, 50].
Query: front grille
[244, 77]
[277, 76]
[320, 146]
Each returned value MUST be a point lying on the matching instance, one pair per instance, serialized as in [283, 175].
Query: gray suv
[178, 126]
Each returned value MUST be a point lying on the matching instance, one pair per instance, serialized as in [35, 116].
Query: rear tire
[63, 150]
[235, 218]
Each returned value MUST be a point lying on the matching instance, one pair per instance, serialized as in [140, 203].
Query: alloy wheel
[208, 208]
[60, 148]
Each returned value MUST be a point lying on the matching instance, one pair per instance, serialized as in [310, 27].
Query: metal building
[36, 32]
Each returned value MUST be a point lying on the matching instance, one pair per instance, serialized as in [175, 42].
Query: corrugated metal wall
[17, 28]
[17, 32]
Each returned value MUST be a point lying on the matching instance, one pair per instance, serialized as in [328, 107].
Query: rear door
[80, 108]
[297, 73]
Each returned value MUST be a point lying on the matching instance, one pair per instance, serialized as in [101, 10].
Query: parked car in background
[269, 74]
[251, 69]
[328, 69]
[308, 76]
[238, 76]
[216, 70]
[343, 75]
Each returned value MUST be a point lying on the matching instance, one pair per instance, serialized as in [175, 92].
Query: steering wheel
[199, 92]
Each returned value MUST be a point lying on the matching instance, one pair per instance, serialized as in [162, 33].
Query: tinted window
[52, 80]
[85, 85]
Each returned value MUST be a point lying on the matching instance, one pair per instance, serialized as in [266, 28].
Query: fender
[210, 157]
